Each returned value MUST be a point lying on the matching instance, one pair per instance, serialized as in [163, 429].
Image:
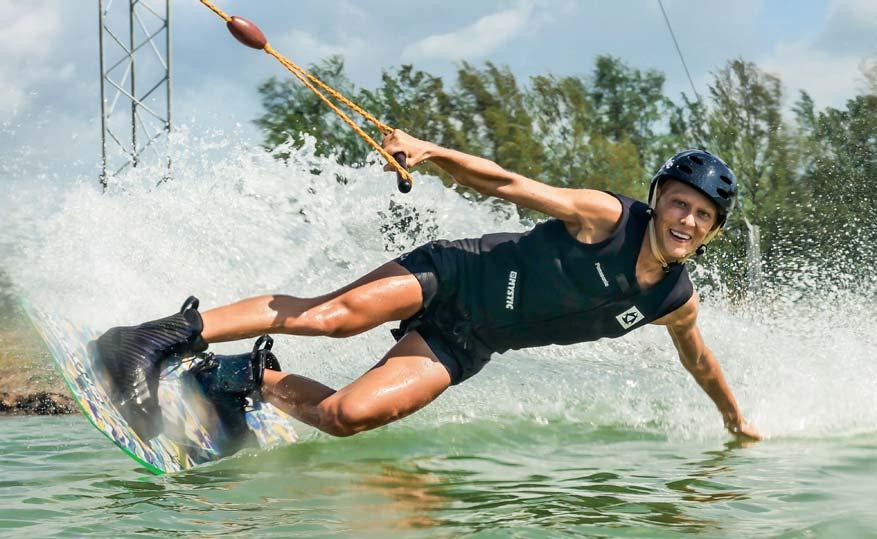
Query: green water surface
[515, 478]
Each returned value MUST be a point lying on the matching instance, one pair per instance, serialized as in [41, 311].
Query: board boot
[233, 384]
[131, 358]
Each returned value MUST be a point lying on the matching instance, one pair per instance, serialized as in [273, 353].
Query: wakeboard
[192, 434]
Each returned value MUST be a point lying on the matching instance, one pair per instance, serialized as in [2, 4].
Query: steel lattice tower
[135, 42]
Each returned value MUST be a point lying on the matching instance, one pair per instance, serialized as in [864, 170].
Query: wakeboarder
[601, 266]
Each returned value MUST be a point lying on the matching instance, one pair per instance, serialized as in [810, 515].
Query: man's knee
[335, 319]
[346, 417]
[320, 317]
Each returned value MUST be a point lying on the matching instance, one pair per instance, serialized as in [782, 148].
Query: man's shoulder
[598, 213]
[685, 315]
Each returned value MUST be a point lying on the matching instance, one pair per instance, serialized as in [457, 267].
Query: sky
[49, 74]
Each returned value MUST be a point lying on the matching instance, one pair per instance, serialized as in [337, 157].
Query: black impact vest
[521, 290]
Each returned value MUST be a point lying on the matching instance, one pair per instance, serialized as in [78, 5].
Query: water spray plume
[237, 223]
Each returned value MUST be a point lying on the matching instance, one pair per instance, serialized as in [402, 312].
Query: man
[601, 267]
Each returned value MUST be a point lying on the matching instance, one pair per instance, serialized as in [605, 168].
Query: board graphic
[191, 436]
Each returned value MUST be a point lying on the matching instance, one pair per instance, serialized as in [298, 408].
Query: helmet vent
[726, 179]
[695, 159]
[685, 168]
[724, 193]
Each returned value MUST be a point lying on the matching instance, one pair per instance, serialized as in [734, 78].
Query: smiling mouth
[679, 236]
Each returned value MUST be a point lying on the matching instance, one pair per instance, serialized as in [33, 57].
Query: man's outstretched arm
[699, 360]
[587, 209]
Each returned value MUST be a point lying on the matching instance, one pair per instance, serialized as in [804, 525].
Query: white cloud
[305, 48]
[827, 66]
[476, 40]
[850, 27]
[828, 78]
[26, 28]
[27, 33]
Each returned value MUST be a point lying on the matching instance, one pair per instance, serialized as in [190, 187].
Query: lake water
[512, 478]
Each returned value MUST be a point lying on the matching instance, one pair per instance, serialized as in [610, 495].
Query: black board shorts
[443, 322]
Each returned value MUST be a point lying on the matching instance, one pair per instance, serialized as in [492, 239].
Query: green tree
[417, 102]
[292, 110]
[629, 105]
[494, 120]
[562, 112]
[841, 176]
[577, 153]
[808, 186]
[746, 128]
[869, 71]
[414, 100]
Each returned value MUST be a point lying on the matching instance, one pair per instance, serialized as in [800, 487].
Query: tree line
[807, 177]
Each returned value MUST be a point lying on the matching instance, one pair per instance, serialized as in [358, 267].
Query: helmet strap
[653, 244]
[655, 251]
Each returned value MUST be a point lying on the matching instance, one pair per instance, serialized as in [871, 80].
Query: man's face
[684, 216]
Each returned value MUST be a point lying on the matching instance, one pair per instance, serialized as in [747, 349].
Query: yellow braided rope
[216, 10]
[310, 81]
[344, 117]
[292, 66]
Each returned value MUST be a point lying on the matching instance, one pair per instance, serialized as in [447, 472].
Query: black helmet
[705, 172]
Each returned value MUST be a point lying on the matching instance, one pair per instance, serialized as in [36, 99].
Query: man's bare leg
[388, 293]
[408, 378]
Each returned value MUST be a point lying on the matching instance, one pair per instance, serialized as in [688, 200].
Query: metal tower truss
[135, 66]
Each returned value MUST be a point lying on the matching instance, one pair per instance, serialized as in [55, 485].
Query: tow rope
[250, 35]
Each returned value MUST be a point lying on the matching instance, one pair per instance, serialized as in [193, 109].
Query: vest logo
[630, 317]
[602, 275]
[510, 291]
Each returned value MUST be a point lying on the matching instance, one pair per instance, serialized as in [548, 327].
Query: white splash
[235, 222]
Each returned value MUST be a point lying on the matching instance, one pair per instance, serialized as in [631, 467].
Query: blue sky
[49, 73]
